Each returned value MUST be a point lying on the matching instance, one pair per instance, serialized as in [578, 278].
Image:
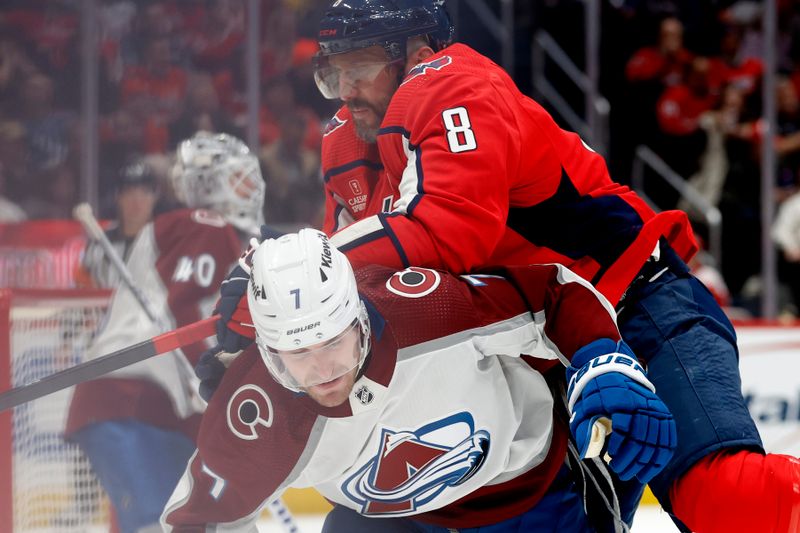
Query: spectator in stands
[730, 68]
[718, 124]
[681, 139]
[787, 142]
[292, 174]
[48, 130]
[201, 113]
[278, 34]
[665, 62]
[15, 66]
[278, 98]
[216, 42]
[49, 33]
[648, 72]
[157, 88]
[136, 197]
[54, 191]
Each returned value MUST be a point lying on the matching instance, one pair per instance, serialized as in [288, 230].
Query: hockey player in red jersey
[437, 160]
[137, 426]
[417, 400]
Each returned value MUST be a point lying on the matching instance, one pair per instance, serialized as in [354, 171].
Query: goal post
[46, 483]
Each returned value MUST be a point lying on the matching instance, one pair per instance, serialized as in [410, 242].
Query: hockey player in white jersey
[138, 425]
[417, 400]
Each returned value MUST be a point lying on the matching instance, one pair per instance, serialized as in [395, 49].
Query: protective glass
[304, 368]
[331, 79]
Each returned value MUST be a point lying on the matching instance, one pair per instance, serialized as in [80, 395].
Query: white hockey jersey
[452, 419]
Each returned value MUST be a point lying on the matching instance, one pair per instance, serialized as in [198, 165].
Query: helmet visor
[321, 363]
[332, 79]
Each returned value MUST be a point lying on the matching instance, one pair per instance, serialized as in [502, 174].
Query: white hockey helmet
[303, 295]
[217, 171]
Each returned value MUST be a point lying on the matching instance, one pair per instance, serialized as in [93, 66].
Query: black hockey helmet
[354, 24]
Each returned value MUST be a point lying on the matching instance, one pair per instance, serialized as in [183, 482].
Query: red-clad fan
[666, 61]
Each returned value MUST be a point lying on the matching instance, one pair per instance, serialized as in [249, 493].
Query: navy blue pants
[689, 345]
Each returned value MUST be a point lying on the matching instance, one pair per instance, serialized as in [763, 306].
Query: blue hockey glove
[235, 330]
[607, 382]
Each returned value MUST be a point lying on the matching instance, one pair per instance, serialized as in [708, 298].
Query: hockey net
[46, 484]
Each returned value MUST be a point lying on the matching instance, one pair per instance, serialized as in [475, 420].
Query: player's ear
[417, 56]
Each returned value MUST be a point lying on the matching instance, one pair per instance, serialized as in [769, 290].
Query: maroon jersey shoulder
[421, 304]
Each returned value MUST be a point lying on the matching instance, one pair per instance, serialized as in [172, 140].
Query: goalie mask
[311, 326]
[218, 172]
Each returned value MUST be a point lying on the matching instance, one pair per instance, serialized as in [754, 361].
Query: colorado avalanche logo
[413, 282]
[411, 468]
[422, 68]
[333, 124]
[248, 408]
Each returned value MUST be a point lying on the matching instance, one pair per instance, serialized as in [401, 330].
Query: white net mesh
[54, 488]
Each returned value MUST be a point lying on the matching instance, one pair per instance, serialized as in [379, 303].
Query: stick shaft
[102, 365]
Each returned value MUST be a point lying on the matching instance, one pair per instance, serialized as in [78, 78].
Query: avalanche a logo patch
[413, 282]
[411, 468]
[249, 408]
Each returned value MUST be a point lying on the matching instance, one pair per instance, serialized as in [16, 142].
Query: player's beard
[367, 129]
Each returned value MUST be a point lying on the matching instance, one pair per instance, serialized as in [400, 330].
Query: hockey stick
[600, 430]
[102, 365]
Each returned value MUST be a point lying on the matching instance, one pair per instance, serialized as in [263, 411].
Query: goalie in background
[137, 426]
[418, 400]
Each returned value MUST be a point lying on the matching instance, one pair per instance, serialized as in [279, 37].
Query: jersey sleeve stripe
[388, 130]
[358, 233]
[393, 237]
[350, 166]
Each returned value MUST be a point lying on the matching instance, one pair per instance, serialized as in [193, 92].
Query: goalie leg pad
[742, 491]
[138, 466]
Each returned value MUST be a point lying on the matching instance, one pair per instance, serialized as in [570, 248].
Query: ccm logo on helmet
[301, 329]
[413, 282]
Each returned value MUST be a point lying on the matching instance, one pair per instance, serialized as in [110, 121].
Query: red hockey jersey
[450, 421]
[473, 174]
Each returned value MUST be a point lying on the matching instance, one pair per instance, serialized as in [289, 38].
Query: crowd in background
[166, 70]
[685, 80]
